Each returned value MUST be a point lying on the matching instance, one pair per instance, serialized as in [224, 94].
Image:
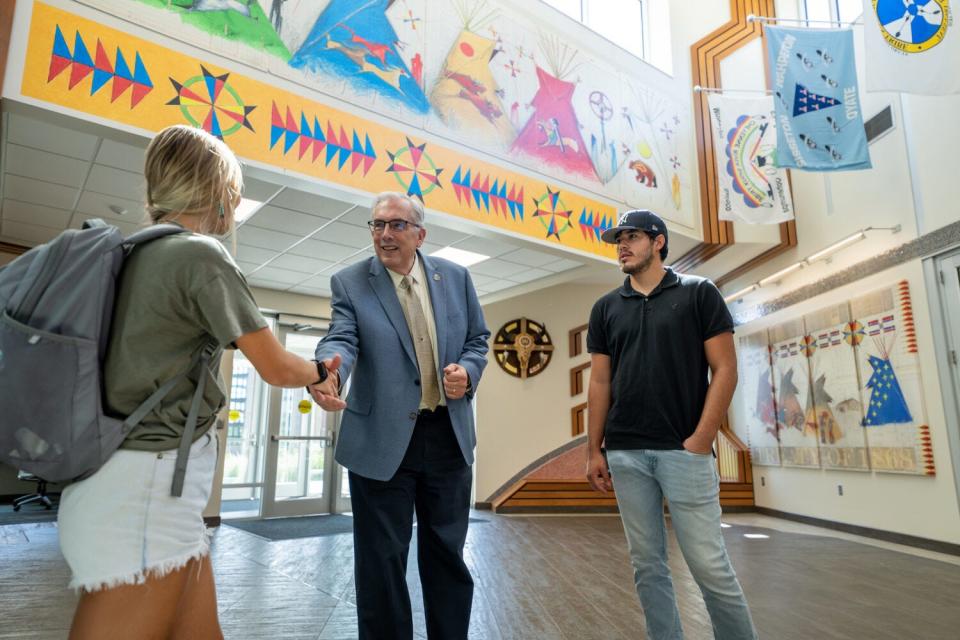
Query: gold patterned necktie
[417, 322]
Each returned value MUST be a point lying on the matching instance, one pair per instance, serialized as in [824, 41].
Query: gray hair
[386, 196]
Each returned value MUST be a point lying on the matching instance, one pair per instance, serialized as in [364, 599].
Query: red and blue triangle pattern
[82, 64]
[312, 138]
[594, 224]
[467, 185]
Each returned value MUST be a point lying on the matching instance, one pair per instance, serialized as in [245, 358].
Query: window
[623, 22]
[572, 8]
[842, 12]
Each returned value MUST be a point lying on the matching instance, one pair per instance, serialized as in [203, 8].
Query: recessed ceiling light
[460, 256]
[755, 536]
[246, 208]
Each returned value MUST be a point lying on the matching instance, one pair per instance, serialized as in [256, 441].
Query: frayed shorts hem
[155, 572]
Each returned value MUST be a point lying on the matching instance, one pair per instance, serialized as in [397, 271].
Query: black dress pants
[435, 481]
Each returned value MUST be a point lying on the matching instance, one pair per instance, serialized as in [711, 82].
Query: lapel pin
[436, 276]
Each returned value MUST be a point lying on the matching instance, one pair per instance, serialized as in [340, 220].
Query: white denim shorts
[121, 525]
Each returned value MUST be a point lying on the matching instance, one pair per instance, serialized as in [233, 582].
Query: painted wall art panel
[794, 398]
[493, 75]
[89, 68]
[837, 410]
[891, 389]
[759, 408]
[847, 389]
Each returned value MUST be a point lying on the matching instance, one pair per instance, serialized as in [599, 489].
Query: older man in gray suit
[410, 331]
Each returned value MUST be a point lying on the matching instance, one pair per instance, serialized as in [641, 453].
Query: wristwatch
[321, 371]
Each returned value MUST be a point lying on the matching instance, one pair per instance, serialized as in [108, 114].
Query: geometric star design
[552, 212]
[414, 170]
[208, 102]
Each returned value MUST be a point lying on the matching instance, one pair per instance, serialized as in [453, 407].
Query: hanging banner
[819, 121]
[752, 188]
[911, 46]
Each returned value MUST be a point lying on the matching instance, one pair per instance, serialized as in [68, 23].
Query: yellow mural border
[89, 67]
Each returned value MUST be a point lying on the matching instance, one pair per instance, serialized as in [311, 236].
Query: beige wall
[292, 303]
[915, 505]
[520, 420]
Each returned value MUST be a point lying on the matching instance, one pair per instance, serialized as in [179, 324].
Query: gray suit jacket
[370, 333]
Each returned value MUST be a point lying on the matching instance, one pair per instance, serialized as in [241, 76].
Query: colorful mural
[894, 415]
[796, 423]
[239, 20]
[356, 40]
[102, 67]
[269, 125]
[836, 390]
[466, 96]
[756, 386]
[848, 393]
[489, 74]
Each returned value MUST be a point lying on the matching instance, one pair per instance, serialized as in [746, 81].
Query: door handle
[276, 438]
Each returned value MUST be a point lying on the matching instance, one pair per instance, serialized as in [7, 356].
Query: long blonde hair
[192, 173]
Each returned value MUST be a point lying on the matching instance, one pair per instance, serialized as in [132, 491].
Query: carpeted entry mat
[302, 527]
[292, 528]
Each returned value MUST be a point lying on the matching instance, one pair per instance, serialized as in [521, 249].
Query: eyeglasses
[398, 225]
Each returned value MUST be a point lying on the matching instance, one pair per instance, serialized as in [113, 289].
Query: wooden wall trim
[575, 340]
[706, 55]
[6, 29]
[15, 249]
[576, 378]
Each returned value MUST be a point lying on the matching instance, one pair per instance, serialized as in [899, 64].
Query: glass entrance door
[301, 476]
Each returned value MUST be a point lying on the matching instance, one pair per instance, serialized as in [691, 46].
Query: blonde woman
[139, 556]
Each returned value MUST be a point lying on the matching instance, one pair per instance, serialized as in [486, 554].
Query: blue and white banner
[819, 121]
[911, 46]
[751, 187]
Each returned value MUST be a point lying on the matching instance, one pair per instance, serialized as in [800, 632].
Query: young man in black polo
[652, 343]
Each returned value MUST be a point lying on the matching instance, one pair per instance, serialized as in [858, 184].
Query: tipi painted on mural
[465, 94]
[887, 404]
[552, 134]
[354, 39]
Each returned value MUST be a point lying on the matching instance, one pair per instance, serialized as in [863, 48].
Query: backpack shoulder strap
[186, 440]
[199, 363]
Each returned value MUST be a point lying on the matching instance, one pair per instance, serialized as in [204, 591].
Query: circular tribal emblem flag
[751, 159]
[913, 26]
[209, 102]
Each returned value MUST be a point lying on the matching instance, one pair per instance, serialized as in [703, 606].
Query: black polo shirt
[658, 365]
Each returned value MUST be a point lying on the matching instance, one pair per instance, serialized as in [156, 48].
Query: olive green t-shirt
[175, 295]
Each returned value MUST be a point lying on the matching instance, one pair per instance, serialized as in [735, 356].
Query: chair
[40, 495]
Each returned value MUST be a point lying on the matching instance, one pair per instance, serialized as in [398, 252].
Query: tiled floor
[538, 578]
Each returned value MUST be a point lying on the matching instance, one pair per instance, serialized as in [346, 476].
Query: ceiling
[58, 173]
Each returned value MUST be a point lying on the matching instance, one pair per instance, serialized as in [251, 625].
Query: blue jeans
[642, 478]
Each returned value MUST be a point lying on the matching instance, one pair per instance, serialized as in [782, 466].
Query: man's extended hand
[327, 393]
[598, 474]
[455, 381]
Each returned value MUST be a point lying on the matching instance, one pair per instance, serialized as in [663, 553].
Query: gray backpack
[56, 305]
